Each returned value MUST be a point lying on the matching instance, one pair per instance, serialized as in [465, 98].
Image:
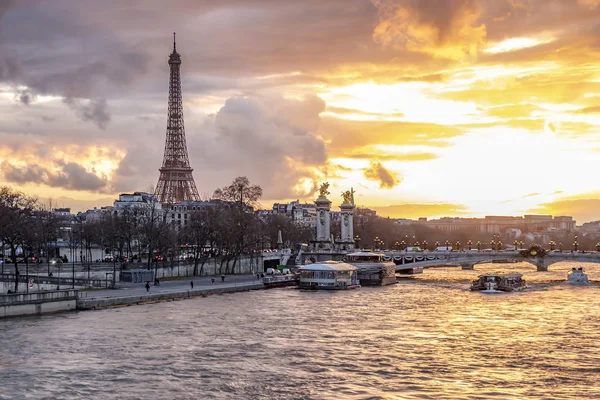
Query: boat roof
[328, 266]
[504, 274]
[364, 254]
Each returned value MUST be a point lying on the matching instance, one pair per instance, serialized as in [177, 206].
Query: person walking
[212, 280]
[147, 287]
[223, 278]
[192, 284]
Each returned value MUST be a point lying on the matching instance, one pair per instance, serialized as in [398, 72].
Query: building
[498, 224]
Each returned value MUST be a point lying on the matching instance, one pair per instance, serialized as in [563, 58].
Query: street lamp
[447, 244]
[457, 245]
[493, 243]
[469, 243]
[598, 246]
[560, 246]
[424, 244]
[403, 244]
[357, 241]
[499, 246]
[478, 245]
[575, 243]
[553, 244]
[376, 242]
[397, 246]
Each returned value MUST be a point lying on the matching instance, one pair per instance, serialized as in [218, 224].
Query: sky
[426, 108]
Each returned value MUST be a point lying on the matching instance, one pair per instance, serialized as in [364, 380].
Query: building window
[178, 216]
[184, 215]
[172, 216]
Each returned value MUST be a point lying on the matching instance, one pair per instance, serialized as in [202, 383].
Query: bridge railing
[54, 280]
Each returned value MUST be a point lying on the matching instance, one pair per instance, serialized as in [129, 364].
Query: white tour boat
[373, 268]
[328, 275]
[576, 275]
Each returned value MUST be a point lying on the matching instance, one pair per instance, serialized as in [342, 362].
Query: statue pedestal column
[347, 231]
[323, 238]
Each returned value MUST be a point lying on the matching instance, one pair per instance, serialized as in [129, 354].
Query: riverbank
[51, 301]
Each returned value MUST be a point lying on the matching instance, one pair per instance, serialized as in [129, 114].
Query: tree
[15, 219]
[241, 198]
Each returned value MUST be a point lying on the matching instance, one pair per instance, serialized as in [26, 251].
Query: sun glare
[514, 44]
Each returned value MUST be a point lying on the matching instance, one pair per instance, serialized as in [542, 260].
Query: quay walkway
[135, 293]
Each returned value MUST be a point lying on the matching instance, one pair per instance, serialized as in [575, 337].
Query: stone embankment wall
[87, 303]
[19, 304]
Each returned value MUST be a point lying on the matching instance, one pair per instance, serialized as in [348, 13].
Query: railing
[54, 280]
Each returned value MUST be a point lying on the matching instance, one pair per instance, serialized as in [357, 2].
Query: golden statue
[347, 195]
[323, 190]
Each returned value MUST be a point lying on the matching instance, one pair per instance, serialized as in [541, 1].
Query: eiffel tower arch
[175, 182]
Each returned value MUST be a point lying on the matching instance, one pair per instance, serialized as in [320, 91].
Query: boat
[328, 275]
[576, 275]
[277, 278]
[373, 268]
[510, 282]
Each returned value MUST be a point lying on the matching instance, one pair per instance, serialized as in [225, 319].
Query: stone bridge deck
[467, 259]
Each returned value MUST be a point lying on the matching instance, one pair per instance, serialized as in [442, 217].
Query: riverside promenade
[135, 293]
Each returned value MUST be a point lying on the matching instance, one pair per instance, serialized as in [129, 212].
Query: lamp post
[424, 244]
[499, 246]
[437, 244]
[598, 246]
[560, 246]
[575, 243]
[397, 246]
[403, 244]
[357, 241]
[469, 243]
[376, 242]
[457, 245]
[478, 245]
[493, 243]
[516, 243]
[447, 244]
[553, 244]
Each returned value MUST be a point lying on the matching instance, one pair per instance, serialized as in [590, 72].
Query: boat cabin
[328, 275]
[499, 281]
[373, 268]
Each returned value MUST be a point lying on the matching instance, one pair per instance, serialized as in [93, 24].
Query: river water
[426, 337]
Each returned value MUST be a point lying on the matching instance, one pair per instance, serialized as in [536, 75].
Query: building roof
[329, 266]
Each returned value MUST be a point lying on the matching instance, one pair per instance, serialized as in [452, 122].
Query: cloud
[70, 176]
[417, 210]
[531, 194]
[377, 172]
[92, 110]
[444, 28]
[588, 110]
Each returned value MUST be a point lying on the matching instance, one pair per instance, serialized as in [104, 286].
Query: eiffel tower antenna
[175, 182]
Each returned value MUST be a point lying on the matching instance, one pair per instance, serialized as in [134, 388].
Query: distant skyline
[427, 108]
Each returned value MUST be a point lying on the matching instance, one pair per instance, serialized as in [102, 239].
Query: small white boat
[576, 275]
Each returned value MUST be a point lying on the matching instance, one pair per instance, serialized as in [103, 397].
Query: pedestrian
[223, 278]
[147, 286]
[212, 280]
[192, 284]
[257, 276]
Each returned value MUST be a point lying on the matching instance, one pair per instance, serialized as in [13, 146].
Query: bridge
[468, 259]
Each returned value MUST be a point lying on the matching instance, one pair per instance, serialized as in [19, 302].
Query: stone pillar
[323, 206]
[541, 264]
[347, 221]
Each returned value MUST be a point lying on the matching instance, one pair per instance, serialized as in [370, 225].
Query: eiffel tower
[175, 182]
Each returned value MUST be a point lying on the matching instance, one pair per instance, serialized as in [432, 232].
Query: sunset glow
[486, 108]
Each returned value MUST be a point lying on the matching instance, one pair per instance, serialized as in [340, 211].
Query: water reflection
[427, 337]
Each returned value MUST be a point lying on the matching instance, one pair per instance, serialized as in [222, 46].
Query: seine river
[426, 337]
